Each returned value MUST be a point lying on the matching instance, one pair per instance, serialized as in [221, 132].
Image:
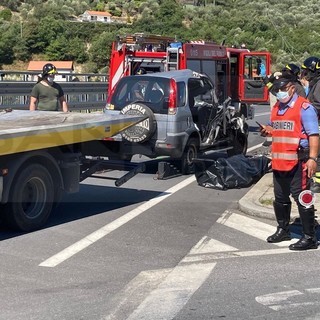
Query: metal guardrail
[80, 95]
[10, 75]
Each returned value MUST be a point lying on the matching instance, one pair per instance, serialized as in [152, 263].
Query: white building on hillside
[96, 16]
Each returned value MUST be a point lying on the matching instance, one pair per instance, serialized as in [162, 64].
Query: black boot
[282, 212]
[309, 239]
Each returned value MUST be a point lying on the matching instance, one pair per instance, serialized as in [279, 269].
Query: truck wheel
[145, 129]
[190, 152]
[31, 199]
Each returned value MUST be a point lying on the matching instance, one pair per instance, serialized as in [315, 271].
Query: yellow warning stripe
[46, 139]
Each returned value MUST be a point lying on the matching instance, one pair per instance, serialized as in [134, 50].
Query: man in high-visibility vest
[295, 141]
[311, 71]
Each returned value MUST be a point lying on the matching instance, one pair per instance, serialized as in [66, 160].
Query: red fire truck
[236, 73]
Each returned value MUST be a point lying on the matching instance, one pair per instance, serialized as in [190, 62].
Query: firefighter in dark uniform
[290, 70]
[311, 71]
[295, 139]
[294, 70]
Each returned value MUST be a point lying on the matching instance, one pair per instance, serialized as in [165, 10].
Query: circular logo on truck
[143, 130]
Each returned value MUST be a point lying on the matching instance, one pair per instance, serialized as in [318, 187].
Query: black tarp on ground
[238, 171]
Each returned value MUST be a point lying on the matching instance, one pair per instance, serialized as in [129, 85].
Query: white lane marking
[255, 147]
[127, 300]
[313, 290]
[251, 227]
[208, 245]
[105, 230]
[278, 297]
[173, 293]
[234, 254]
[172, 288]
[281, 300]
[261, 114]
[295, 305]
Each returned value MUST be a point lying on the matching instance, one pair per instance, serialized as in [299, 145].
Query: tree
[77, 50]
[6, 43]
[11, 4]
[264, 24]
[47, 31]
[57, 49]
[21, 52]
[6, 14]
[100, 49]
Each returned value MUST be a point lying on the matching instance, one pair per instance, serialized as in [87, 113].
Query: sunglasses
[283, 89]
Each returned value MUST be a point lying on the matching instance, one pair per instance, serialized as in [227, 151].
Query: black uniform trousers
[290, 182]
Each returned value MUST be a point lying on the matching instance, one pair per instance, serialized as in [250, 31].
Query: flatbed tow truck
[42, 156]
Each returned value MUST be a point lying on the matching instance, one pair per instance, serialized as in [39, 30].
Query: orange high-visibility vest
[286, 135]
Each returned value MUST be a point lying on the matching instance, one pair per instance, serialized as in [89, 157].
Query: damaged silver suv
[183, 118]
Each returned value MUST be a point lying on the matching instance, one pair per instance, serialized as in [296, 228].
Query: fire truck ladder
[172, 61]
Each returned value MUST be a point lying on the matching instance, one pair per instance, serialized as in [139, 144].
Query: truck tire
[144, 130]
[31, 199]
[190, 152]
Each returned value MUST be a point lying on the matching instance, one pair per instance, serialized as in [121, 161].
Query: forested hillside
[31, 29]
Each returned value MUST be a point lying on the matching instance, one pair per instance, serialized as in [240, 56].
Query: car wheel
[239, 144]
[143, 130]
[190, 152]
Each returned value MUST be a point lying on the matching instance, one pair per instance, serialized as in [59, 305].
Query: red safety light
[307, 198]
[173, 97]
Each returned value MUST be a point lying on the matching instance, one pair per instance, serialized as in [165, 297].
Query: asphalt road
[156, 249]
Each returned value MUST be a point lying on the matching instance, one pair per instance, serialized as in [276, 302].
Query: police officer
[295, 139]
[311, 72]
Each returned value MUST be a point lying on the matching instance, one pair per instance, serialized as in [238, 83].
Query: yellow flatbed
[22, 130]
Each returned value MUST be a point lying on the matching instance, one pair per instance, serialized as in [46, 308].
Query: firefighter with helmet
[47, 95]
[141, 71]
[294, 70]
[290, 70]
[311, 71]
[295, 139]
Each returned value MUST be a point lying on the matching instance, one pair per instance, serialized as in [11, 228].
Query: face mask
[306, 89]
[283, 96]
[50, 79]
